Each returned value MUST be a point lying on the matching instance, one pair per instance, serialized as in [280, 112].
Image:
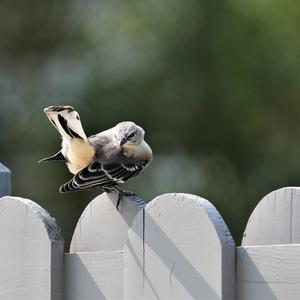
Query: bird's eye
[131, 135]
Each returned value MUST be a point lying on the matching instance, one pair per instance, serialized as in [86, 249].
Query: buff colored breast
[80, 154]
[140, 152]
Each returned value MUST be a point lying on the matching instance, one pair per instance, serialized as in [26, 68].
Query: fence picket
[31, 252]
[188, 252]
[94, 266]
[275, 220]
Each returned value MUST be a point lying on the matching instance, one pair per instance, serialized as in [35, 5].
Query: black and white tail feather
[67, 121]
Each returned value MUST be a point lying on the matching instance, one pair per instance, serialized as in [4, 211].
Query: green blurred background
[214, 83]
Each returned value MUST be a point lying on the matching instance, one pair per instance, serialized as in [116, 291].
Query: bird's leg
[122, 193]
[119, 200]
[110, 190]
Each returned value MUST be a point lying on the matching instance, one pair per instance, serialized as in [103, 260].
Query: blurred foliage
[215, 84]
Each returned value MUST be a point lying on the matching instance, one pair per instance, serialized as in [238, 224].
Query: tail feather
[56, 156]
[67, 121]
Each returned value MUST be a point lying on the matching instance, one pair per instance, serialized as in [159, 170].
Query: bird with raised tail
[103, 160]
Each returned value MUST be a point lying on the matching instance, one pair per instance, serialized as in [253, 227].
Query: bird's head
[128, 133]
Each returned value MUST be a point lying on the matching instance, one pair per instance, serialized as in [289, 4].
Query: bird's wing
[102, 175]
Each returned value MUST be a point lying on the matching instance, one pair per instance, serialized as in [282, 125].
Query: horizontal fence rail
[175, 247]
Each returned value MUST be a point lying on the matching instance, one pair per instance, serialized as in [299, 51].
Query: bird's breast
[141, 152]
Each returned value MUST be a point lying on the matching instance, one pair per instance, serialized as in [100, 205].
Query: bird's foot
[126, 193]
[123, 193]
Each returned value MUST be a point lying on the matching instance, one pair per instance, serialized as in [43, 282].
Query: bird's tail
[67, 121]
[56, 156]
[76, 147]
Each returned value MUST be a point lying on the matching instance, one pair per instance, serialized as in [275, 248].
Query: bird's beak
[122, 142]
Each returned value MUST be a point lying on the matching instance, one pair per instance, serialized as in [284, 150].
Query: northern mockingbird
[103, 160]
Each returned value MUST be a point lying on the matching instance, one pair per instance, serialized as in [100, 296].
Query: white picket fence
[175, 247]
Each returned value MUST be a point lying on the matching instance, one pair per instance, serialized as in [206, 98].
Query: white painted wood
[188, 252]
[102, 227]
[94, 268]
[268, 272]
[275, 220]
[31, 252]
[134, 259]
[93, 275]
[5, 181]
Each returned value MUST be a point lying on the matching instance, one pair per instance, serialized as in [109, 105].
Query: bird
[101, 161]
